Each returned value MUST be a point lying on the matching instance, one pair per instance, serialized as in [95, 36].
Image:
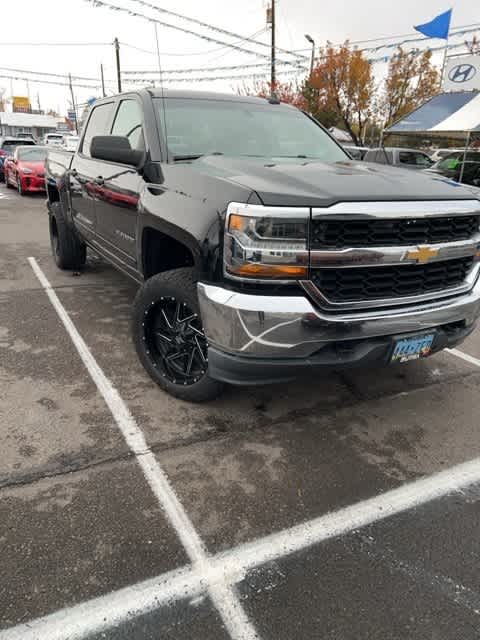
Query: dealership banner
[462, 74]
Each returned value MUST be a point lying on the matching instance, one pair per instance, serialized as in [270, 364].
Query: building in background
[11, 124]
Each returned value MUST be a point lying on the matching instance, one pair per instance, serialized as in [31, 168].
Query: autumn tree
[288, 92]
[342, 85]
[473, 45]
[411, 80]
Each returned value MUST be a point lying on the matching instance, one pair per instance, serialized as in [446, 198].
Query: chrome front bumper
[291, 327]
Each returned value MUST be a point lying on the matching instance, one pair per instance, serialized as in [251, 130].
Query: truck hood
[299, 182]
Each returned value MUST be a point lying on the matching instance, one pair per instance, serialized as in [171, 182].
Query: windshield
[199, 127]
[35, 154]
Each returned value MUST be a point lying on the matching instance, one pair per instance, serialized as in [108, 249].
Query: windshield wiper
[196, 156]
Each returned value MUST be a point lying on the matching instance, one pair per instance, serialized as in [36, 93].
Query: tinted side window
[128, 122]
[97, 125]
[414, 158]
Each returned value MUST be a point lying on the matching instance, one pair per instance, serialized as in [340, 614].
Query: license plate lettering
[412, 348]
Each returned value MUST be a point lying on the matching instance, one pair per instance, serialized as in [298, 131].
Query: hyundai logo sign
[462, 73]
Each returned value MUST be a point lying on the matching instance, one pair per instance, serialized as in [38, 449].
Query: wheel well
[162, 253]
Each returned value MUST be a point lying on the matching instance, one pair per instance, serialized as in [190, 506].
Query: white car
[70, 143]
[53, 139]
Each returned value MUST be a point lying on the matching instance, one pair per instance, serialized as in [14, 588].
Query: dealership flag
[438, 27]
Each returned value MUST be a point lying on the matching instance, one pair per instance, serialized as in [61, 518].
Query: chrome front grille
[339, 234]
[385, 254]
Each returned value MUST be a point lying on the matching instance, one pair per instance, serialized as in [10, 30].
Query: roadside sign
[21, 104]
[462, 74]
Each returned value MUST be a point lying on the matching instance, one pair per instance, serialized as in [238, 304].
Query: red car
[25, 170]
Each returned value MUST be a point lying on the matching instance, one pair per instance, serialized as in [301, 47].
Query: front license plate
[412, 348]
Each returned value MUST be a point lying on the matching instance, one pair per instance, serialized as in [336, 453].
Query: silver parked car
[399, 157]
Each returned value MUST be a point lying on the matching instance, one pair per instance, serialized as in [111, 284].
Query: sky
[90, 31]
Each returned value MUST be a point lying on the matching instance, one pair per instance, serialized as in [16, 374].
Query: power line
[37, 81]
[195, 69]
[55, 44]
[107, 5]
[150, 81]
[49, 74]
[460, 32]
[206, 25]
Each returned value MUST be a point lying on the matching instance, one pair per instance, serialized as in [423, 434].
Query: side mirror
[115, 149]
[476, 182]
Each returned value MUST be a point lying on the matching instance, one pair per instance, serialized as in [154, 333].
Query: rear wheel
[169, 338]
[7, 181]
[68, 251]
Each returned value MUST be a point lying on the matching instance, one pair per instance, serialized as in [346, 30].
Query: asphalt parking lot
[343, 507]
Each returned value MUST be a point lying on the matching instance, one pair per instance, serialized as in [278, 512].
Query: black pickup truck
[262, 251]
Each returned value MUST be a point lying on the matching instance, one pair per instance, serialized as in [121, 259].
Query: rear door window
[98, 125]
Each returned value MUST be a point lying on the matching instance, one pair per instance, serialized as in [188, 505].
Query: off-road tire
[68, 251]
[173, 294]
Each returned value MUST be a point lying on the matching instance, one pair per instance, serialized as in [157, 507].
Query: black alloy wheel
[175, 341]
[169, 338]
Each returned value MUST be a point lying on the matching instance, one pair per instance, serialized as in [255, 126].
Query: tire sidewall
[180, 285]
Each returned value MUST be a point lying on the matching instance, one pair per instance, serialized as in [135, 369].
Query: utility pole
[117, 56]
[103, 81]
[73, 102]
[272, 76]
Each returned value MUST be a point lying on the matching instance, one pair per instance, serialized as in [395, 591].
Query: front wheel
[169, 338]
[20, 190]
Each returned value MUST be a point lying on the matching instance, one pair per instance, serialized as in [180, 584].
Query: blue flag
[439, 27]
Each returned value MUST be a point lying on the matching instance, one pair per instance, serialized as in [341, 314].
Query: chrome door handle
[99, 180]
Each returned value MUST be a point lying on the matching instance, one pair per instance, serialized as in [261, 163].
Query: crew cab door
[118, 188]
[85, 169]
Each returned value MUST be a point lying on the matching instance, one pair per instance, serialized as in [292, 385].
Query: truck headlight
[266, 243]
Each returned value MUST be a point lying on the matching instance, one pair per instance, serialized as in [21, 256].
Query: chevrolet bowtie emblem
[422, 254]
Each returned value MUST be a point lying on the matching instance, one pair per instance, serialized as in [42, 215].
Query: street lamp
[312, 42]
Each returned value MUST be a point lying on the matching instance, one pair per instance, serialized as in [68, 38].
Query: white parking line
[223, 598]
[230, 567]
[216, 575]
[464, 356]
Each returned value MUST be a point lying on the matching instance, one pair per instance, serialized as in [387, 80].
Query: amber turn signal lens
[270, 271]
[236, 223]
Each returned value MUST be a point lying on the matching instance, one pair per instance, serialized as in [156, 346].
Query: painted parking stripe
[99, 614]
[218, 574]
[223, 597]
[231, 566]
[464, 356]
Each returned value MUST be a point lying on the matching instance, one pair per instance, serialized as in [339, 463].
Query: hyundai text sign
[462, 74]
